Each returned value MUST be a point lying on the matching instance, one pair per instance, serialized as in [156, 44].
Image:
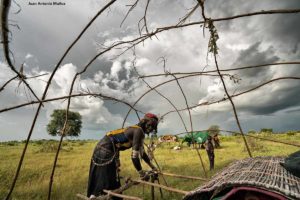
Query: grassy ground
[74, 160]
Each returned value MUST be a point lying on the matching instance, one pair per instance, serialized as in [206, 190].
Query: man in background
[210, 152]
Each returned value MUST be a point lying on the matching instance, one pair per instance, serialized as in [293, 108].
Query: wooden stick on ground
[121, 195]
[128, 185]
[161, 186]
[152, 189]
[107, 197]
[183, 176]
[81, 196]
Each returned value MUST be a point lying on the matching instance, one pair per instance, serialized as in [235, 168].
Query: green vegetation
[266, 130]
[74, 160]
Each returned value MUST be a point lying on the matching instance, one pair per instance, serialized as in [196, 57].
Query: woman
[105, 160]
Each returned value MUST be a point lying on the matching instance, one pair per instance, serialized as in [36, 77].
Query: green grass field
[74, 160]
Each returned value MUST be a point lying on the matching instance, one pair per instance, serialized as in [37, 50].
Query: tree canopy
[56, 124]
[214, 130]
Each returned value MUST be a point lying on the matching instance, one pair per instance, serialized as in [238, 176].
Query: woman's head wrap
[153, 120]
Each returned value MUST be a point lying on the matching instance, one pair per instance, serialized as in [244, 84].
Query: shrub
[290, 133]
[270, 130]
[39, 142]
[254, 144]
[51, 147]
[12, 143]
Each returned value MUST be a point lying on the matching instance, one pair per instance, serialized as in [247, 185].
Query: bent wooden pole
[81, 196]
[183, 176]
[111, 193]
[107, 196]
[162, 186]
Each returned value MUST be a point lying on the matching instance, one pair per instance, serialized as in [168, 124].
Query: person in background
[210, 152]
[105, 162]
[216, 141]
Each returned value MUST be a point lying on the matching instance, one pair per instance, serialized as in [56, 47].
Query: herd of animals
[196, 138]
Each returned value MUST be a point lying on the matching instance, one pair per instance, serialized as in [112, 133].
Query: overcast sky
[46, 32]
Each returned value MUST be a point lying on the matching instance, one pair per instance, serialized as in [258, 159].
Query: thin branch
[54, 165]
[104, 97]
[170, 102]
[186, 102]
[214, 37]
[158, 166]
[188, 15]
[5, 84]
[222, 70]
[144, 20]
[18, 7]
[201, 3]
[130, 9]
[37, 76]
[191, 121]
[15, 77]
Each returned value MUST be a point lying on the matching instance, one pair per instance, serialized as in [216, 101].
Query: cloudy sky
[46, 32]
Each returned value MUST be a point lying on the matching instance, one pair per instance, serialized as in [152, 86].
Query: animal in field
[177, 148]
[167, 138]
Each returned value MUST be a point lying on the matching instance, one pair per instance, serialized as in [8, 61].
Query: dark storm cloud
[287, 31]
[254, 56]
[283, 99]
[98, 65]
[112, 85]
[123, 72]
[217, 9]
[286, 28]
[297, 110]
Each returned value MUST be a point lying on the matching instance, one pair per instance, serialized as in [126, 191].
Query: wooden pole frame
[121, 195]
[162, 186]
[182, 176]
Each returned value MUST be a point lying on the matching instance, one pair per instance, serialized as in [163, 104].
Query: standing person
[216, 141]
[210, 152]
[105, 161]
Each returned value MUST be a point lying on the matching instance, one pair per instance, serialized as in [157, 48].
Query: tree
[214, 130]
[270, 130]
[56, 124]
[251, 132]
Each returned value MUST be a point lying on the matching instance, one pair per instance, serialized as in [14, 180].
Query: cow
[177, 148]
[167, 138]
